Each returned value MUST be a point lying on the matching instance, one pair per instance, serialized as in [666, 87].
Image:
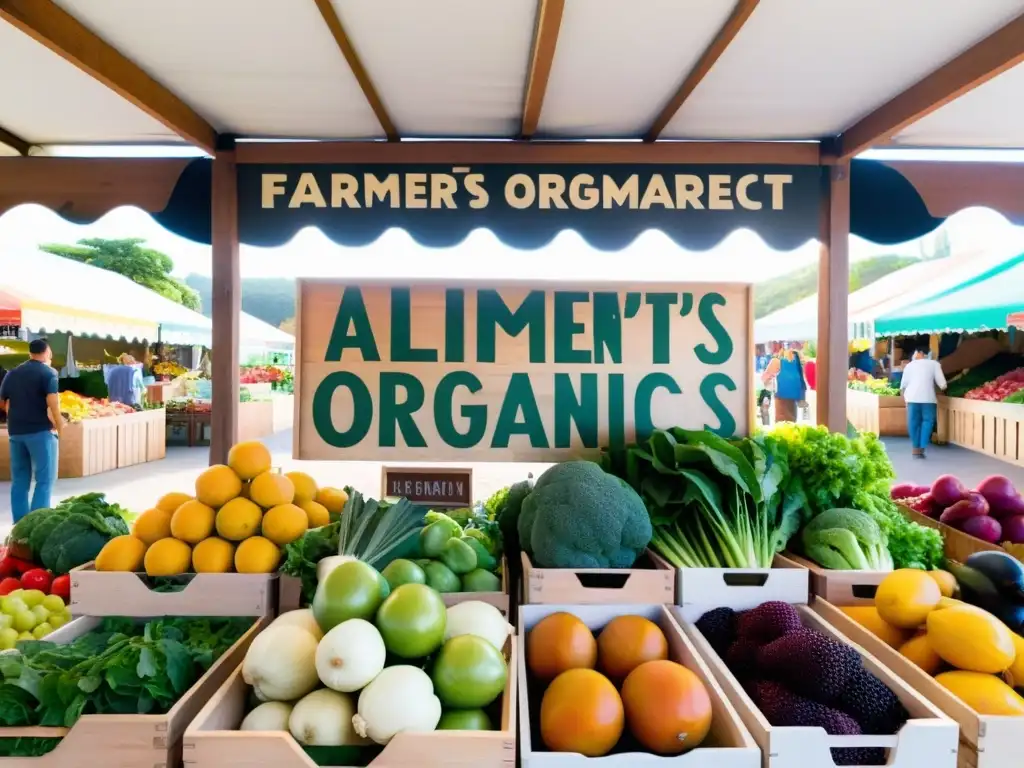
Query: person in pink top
[811, 374]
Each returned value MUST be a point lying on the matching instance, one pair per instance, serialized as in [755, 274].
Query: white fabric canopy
[60, 294]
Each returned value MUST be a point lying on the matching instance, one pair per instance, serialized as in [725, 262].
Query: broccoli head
[579, 517]
[508, 516]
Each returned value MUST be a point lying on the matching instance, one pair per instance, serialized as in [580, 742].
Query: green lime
[412, 621]
[353, 590]
[469, 673]
[399, 572]
[465, 720]
[439, 577]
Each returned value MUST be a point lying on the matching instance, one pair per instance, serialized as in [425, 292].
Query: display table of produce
[103, 442]
[993, 428]
[256, 418]
[881, 411]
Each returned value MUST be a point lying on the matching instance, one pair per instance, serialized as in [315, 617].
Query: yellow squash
[971, 640]
[985, 694]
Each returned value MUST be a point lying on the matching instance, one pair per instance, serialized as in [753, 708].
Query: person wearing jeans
[29, 396]
[921, 378]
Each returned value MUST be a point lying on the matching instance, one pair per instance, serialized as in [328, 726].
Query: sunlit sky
[741, 256]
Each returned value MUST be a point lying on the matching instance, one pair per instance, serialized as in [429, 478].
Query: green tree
[129, 257]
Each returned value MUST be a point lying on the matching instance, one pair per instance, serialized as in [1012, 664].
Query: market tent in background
[980, 303]
[57, 294]
[902, 288]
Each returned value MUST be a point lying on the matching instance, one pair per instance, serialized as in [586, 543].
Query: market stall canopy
[573, 69]
[58, 294]
[939, 74]
[981, 303]
[898, 289]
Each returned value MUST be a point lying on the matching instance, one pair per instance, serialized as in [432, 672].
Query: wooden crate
[691, 584]
[110, 593]
[127, 741]
[885, 415]
[928, 740]
[141, 437]
[290, 594]
[986, 741]
[214, 741]
[957, 544]
[604, 586]
[728, 744]
[848, 587]
[88, 447]
[994, 429]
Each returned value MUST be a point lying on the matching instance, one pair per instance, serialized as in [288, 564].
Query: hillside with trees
[271, 299]
[787, 289]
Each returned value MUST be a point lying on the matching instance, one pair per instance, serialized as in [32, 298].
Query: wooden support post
[227, 304]
[833, 290]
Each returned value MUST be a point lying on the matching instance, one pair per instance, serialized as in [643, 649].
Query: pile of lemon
[240, 517]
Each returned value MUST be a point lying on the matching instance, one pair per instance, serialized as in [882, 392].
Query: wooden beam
[725, 36]
[16, 143]
[227, 306]
[48, 24]
[527, 152]
[326, 9]
[545, 41]
[833, 291]
[994, 55]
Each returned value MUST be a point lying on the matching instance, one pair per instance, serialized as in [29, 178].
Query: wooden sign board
[429, 486]
[505, 371]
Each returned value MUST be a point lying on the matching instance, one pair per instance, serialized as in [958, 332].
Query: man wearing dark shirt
[34, 423]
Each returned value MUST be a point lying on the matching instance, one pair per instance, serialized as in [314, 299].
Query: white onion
[280, 665]
[350, 655]
[302, 618]
[399, 699]
[476, 617]
[323, 718]
[268, 716]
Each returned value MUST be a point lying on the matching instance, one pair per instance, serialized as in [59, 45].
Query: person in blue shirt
[124, 383]
[34, 423]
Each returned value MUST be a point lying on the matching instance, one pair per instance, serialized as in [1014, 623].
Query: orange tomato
[557, 643]
[667, 707]
[626, 642]
[581, 712]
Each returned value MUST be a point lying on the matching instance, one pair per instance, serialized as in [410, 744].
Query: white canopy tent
[57, 294]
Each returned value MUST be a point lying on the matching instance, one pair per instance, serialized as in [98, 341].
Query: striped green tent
[979, 304]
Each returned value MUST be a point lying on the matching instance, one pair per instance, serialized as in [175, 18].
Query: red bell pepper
[11, 565]
[37, 578]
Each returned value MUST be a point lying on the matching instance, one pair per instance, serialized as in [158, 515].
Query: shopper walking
[29, 395]
[921, 378]
[790, 384]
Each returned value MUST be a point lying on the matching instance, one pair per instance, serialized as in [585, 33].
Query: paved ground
[969, 466]
[139, 487]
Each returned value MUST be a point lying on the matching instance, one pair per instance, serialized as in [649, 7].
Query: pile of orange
[597, 688]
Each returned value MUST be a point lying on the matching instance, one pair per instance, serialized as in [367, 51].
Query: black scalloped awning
[885, 208]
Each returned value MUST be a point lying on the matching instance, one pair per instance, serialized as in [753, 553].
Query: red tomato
[37, 578]
[61, 587]
[8, 585]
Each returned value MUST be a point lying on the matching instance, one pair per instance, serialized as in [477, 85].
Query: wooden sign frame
[433, 472]
[744, 412]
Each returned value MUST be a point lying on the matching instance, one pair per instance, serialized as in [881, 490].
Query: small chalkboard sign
[429, 486]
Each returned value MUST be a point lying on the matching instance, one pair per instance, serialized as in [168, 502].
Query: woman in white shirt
[921, 378]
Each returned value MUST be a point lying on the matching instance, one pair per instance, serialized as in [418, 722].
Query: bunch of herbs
[122, 667]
